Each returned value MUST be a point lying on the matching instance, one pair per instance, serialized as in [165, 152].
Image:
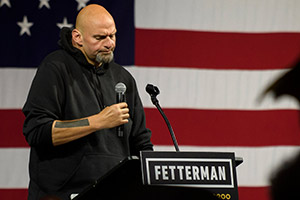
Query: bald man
[95, 38]
[72, 114]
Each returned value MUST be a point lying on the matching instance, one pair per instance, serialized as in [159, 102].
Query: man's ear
[76, 37]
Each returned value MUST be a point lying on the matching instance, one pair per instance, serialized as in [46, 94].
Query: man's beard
[106, 58]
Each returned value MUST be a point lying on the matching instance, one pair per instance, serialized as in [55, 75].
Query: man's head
[95, 34]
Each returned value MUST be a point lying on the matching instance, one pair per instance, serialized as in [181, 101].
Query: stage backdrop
[211, 59]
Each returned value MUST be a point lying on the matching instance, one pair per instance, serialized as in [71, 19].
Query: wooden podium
[168, 175]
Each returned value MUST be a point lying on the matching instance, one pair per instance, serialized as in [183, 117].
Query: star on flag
[44, 3]
[81, 4]
[5, 2]
[25, 26]
[64, 24]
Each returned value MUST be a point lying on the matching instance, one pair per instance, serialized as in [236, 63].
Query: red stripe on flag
[226, 127]
[214, 50]
[11, 129]
[257, 193]
[195, 127]
[13, 194]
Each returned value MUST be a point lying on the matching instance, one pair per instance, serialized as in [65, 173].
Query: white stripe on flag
[183, 88]
[255, 171]
[211, 89]
[15, 83]
[217, 15]
[14, 167]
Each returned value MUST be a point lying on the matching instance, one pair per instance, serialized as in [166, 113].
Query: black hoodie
[67, 87]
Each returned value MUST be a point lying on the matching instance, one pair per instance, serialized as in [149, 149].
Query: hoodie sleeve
[43, 105]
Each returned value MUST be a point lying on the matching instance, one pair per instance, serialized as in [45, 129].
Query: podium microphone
[120, 89]
[153, 91]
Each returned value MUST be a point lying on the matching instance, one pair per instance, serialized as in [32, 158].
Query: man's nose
[109, 43]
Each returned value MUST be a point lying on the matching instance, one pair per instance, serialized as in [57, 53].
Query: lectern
[127, 180]
[212, 171]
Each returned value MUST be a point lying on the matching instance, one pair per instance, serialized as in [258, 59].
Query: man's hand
[67, 131]
[111, 116]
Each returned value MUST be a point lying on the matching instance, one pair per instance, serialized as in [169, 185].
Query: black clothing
[287, 84]
[67, 87]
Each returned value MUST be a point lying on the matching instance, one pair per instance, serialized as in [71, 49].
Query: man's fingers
[125, 116]
[123, 105]
[125, 110]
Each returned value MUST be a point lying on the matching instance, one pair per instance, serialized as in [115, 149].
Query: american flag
[211, 60]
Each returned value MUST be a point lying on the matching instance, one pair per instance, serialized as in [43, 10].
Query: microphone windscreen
[152, 90]
[120, 88]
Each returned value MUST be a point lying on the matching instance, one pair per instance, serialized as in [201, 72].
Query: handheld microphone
[120, 90]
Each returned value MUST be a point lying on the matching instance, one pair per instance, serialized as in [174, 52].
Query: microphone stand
[156, 103]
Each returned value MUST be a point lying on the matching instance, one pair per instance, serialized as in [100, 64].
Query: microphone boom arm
[153, 91]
